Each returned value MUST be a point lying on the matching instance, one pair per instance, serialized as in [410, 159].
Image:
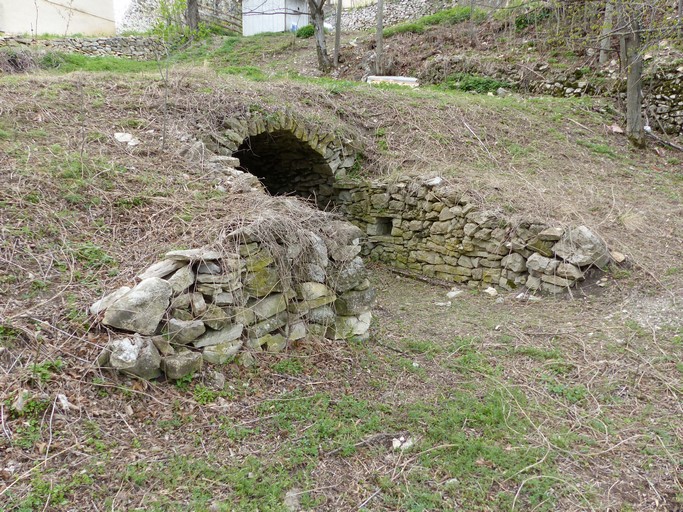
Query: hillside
[510, 402]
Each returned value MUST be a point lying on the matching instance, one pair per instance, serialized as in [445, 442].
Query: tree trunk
[379, 49]
[473, 30]
[337, 33]
[605, 36]
[192, 15]
[634, 84]
[317, 18]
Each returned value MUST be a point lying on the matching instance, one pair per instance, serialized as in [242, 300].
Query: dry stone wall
[133, 47]
[424, 228]
[202, 305]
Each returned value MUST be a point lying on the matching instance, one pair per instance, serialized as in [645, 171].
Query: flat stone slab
[397, 80]
[210, 338]
[193, 255]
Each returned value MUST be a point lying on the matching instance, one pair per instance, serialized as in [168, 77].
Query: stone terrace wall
[202, 305]
[134, 47]
[424, 228]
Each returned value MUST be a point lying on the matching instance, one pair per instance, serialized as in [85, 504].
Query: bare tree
[379, 46]
[192, 15]
[634, 81]
[337, 33]
[317, 17]
[606, 31]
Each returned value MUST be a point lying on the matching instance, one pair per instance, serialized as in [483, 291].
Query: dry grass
[582, 397]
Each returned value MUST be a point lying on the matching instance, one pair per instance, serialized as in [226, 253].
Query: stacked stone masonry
[423, 228]
[285, 153]
[132, 47]
[200, 305]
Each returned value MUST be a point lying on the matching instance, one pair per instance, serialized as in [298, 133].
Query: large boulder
[581, 247]
[141, 309]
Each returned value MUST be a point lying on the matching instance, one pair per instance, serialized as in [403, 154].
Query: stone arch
[286, 154]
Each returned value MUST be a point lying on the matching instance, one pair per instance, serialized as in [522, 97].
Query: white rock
[491, 291]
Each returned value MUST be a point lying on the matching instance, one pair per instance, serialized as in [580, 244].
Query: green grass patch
[447, 17]
[468, 82]
[69, 62]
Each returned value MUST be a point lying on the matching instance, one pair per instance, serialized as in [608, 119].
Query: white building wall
[273, 15]
[61, 17]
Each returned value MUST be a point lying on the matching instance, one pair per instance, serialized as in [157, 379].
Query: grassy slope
[562, 404]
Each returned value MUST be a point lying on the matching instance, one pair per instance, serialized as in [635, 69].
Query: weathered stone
[304, 306]
[541, 264]
[313, 272]
[514, 262]
[182, 314]
[108, 300]
[163, 345]
[345, 252]
[227, 282]
[198, 304]
[273, 342]
[193, 255]
[268, 306]
[581, 247]
[224, 299]
[321, 315]
[208, 267]
[354, 302]
[182, 364]
[258, 261]
[182, 301]
[141, 309]
[348, 276]
[551, 234]
[363, 286]
[222, 352]
[181, 332]
[557, 280]
[533, 282]
[551, 288]
[312, 290]
[228, 333]
[135, 355]
[246, 359]
[161, 269]
[263, 328]
[182, 279]
[295, 330]
[346, 327]
[215, 317]
[569, 271]
[542, 247]
[319, 250]
[244, 315]
[262, 282]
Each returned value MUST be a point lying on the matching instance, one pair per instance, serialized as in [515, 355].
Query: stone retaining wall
[426, 229]
[133, 47]
[203, 305]
[662, 87]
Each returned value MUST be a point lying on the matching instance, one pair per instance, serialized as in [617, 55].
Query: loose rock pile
[427, 229]
[203, 305]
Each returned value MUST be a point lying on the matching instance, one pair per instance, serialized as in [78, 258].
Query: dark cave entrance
[287, 165]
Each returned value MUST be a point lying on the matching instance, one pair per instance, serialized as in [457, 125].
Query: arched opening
[287, 165]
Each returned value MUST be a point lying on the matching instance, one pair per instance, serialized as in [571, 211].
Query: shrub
[305, 32]
[16, 61]
[468, 82]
